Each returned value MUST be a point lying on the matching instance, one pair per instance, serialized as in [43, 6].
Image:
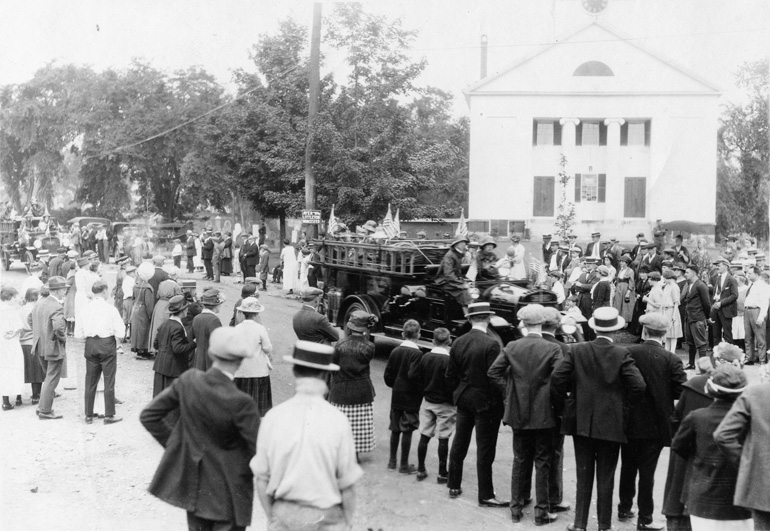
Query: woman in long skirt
[69, 302]
[226, 267]
[33, 370]
[141, 313]
[625, 290]
[167, 289]
[253, 376]
[11, 355]
[289, 260]
[671, 294]
[352, 391]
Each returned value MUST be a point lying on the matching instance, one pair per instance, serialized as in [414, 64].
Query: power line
[185, 123]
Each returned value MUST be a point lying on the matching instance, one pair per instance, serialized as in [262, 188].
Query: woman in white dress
[519, 268]
[670, 307]
[654, 298]
[11, 354]
[304, 267]
[289, 259]
[739, 332]
[84, 280]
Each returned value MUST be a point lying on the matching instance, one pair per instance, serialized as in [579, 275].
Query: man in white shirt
[755, 313]
[305, 467]
[102, 328]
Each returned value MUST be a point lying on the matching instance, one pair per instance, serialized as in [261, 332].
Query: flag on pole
[389, 227]
[397, 221]
[334, 225]
[462, 226]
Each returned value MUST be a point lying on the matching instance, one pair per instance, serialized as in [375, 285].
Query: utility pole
[314, 77]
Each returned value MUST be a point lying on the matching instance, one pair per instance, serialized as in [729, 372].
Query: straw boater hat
[229, 344]
[251, 305]
[145, 271]
[606, 319]
[187, 283]
[313, 355]
[361, 321]
[212, 297]
[479, 308]
[177, 303]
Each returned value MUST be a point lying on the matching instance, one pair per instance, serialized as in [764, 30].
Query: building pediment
[595, 59]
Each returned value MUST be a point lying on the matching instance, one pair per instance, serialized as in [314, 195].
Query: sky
[710, 37]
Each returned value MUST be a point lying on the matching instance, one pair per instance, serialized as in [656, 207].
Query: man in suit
[546, 248]
[478, 404]
[205, 466]
[522, 376]
[725, 305]
[582, 287]
[695, 299]
[603, 381]
[207, 254]
[755, 314]
[308, 324]
[250, 257]
[649, 427]
[160, 274]
[49, 341]
[190, 251]
[594, 247]
[682, 254]
[652, 259]
[55, 265]
[174, 345]
[204, 324]
[636, 252]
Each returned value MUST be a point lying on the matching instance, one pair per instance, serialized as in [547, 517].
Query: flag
[389, 226]
[334, 225]
[397, 221]
[462, 226]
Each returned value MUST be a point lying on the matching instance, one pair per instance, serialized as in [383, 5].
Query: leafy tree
[565, 219]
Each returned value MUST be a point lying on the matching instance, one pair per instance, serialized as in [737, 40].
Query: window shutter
[579, 134]
[602, 134]
[577, 188]
[534, 132]
[647, 127]
[556, 133]
[624, 134]
[602, 187]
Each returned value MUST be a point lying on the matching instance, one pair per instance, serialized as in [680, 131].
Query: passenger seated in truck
[450, 277]
[486, 259]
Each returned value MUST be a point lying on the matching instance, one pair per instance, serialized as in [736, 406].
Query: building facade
[638, 132]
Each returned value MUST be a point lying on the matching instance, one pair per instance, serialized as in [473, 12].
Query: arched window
[593, 68]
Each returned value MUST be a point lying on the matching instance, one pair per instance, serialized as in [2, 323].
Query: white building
[639, 134]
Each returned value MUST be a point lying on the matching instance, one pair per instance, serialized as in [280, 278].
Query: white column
[568, 126]
[615, 196]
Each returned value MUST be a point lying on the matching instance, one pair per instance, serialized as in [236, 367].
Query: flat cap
[654, 321]
[531, 314]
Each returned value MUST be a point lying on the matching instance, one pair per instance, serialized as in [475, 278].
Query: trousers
[755, 336]
[531, 447]
[638, 455]
[196, 523]
[52, 376]
[595, 456]
[100, 354]
[486, 424]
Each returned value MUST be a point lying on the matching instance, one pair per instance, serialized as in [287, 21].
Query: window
[635, 197]
[478, 226]
[590, 187]
[498, 227]
[543, 203]
[635, 132]
[591, 132]
[546, 132]
[593, 68]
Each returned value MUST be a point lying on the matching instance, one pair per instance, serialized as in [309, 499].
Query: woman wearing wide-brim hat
[253, 376]
[486, 258]
[351, 389]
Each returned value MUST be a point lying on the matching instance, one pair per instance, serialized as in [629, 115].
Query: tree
[565, 219]
[743, 177]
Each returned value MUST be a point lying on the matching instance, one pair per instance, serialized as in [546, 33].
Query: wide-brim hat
[486, 240]
[187, 283]
[458, 240]
[57, 283]
[251, 305]
[212, 297]
[361, 321]
[727, 382]
[479, 308]
[625, 258]
[145, 271]
[313, 355]
[370, 225]
[82, 262]
[606, 319]
[177, 303]
[229, 344]
[591, 260]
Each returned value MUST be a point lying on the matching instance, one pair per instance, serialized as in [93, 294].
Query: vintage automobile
[23, 237]
[395, 282]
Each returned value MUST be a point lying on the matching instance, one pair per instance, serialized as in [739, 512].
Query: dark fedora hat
[313, 355]
[212, 297]
[177, 303]
[57, 283]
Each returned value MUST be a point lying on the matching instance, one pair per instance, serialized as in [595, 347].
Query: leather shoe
[652, 526]
[516, 517]
[112, 419]
[455, 493]
[407, 470]
[48, 416]
[571, 527]
[442, 480]
[391, 465]
[689, 367]
[562, 507]
[626, 515]
[421, 474]
[749, 363]
[526, 502]
[493, 502]
[546, 519]
[89, 420]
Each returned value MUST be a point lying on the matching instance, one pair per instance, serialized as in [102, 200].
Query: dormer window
[593, 68]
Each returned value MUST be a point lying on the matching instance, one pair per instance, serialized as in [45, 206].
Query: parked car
[23, 237]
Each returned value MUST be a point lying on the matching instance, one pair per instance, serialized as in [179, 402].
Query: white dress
[304, 263]
[290, 277]
[11, 355]
[519, 269]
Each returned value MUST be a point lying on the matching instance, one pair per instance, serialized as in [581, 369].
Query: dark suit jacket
[202, 326]
[205, 468]
[655, 264]
[728, 297]
[664, 375]
[407, 394]
[590, 248]
[522, 376]
[54, 267]
[470, 358]
[159, 276]
[601, 295]
[250, 254]
[207, 249]
[309, 325]
[562, 345]
[603, 380]
[174, 349]
[49, 329]
[695, 299]
[190, 249]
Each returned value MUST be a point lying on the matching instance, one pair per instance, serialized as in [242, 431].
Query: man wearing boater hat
[450, 277]
[478, 404]
[603, 381]
[205, 466]
[305, 467]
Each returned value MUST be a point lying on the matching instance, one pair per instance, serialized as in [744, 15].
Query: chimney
[483, 56]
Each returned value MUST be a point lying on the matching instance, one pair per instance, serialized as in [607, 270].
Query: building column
[615, 198]
[568, 126]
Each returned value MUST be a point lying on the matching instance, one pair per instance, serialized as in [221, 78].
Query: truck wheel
[354, 307]
[29, 260]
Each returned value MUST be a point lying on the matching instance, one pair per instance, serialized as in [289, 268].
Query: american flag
[462, 226]
[334, 225]
[390, 226]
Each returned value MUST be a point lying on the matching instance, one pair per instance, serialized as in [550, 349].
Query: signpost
[311, 217]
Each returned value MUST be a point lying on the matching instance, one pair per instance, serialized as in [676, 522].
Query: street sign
[311, 217]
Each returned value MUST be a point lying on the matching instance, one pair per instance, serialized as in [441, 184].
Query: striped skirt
[361, 417]
[259, 389]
